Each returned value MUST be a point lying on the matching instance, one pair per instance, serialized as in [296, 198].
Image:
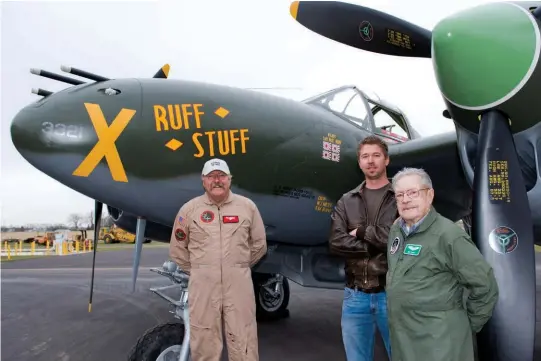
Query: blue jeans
[361, 312]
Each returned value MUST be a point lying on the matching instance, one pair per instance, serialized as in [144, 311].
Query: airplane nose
[33, 130]
[56, 133]
[19, 137]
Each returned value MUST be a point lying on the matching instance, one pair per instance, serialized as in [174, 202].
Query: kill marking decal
[207, 216]
[331, 148]
[503, 240]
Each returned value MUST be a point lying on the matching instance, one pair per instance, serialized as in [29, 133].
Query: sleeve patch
[180, 235]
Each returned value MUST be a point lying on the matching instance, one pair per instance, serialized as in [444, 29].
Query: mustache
[217, 185]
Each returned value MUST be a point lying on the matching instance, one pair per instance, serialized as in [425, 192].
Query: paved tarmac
[45, 312]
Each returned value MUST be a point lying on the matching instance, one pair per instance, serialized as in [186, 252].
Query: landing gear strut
[171, 340]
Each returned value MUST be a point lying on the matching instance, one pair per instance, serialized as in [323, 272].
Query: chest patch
[413, 249]
[207, 216]
[231, 219]
[395, 245]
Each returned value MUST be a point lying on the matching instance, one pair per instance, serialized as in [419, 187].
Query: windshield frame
[316, 101]
[372, 107]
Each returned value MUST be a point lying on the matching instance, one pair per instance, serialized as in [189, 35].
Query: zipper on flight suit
[221, 248]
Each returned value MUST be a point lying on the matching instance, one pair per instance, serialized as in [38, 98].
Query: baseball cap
[215, 164]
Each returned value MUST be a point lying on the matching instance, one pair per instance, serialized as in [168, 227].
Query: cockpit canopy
[369, 113]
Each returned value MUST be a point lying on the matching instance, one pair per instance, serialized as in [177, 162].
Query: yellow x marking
[105, 147]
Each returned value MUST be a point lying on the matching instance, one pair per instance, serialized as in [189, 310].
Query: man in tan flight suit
[217, 237]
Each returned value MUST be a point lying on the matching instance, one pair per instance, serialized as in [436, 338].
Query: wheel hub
[171, 353]
[270, 299]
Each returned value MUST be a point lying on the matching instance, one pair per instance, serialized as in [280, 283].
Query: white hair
[425, 178]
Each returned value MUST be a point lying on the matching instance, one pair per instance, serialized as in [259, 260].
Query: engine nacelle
[127, 221]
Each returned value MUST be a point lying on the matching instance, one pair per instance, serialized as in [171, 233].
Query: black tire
[155, 340]
[263, 312]
[108, 239]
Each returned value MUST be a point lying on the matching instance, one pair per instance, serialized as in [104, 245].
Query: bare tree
[90, 220]
[74, 219]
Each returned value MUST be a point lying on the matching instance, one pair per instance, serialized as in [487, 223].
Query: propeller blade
[97, 225]
[503, 231]
[363, 28]
[163, 72]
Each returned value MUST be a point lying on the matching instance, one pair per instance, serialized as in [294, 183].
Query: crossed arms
[355, 242]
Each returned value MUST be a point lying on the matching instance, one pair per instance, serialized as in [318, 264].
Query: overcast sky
[244, 43]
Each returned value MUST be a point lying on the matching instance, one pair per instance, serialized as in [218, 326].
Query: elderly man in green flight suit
[432, 261]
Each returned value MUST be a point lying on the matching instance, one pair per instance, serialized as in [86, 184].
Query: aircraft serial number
[70, 131]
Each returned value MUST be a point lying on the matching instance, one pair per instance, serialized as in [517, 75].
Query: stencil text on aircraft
[178, 116]
[189, 118]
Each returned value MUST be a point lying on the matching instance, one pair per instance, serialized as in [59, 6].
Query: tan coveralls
[217, 246]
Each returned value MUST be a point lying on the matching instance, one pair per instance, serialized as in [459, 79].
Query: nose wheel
[272, 296]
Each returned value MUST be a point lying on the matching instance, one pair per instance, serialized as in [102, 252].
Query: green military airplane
[138, 146]
[486, 62]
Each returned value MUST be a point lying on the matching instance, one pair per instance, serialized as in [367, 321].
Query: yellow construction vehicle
[82, 239]
[116, 234]
[42, 239]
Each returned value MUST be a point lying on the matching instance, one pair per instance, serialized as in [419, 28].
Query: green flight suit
[428, 273]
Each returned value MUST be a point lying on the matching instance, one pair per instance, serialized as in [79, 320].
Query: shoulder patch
[180, 235]
[395, 245]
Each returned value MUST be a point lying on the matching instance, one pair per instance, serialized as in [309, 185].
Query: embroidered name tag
[231, 219]
[413, 249]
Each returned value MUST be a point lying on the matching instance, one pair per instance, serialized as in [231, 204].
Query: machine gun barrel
[41, 92]
[54, 76]
[82, 73]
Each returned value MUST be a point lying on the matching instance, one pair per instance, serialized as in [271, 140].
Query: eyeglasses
[412, 193]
